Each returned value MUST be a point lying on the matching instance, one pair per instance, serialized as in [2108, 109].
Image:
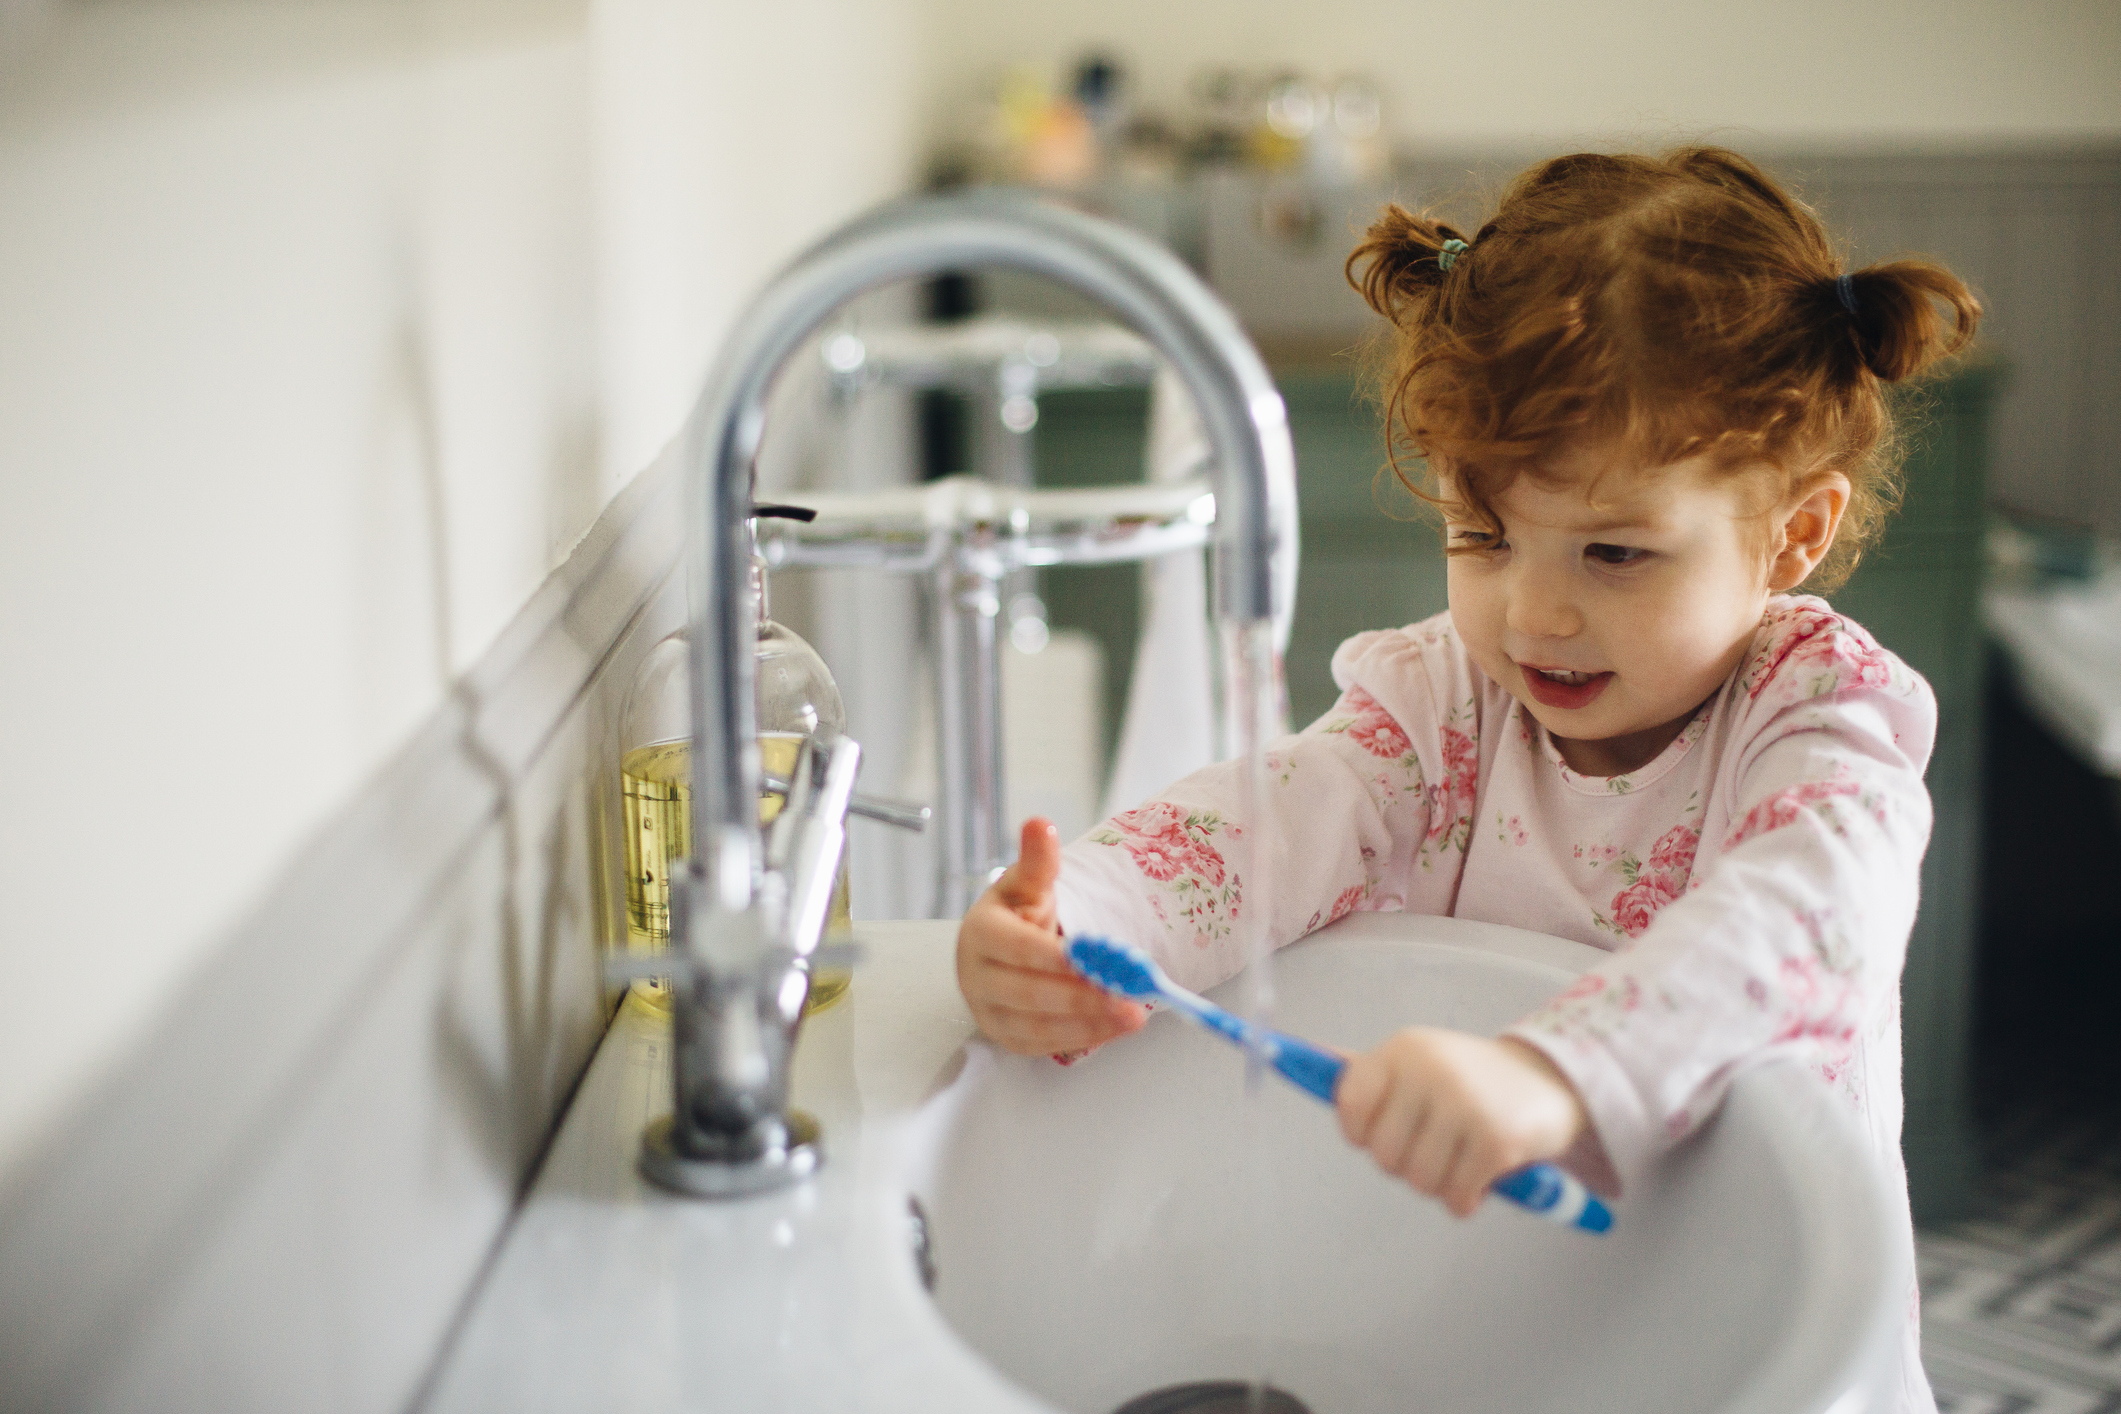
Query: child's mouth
[1567, 689]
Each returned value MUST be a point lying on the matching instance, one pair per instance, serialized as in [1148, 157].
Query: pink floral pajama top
[1754, 884]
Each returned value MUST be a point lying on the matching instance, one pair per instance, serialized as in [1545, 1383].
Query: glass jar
[794, 696]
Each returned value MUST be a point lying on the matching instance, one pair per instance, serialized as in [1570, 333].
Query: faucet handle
[811, 832]
[884, 809]
[798, 796]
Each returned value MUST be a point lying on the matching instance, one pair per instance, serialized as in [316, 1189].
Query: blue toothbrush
[1128, 972]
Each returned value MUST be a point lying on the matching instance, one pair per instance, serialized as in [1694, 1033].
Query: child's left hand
[1450, 1113]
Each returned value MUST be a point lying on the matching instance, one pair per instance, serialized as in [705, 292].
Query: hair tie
[1448, 256]
[1845, 291]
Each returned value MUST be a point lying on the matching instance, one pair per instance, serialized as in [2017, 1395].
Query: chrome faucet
[745, 914]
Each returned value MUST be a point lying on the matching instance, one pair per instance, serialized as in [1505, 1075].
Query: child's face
[1611, 622]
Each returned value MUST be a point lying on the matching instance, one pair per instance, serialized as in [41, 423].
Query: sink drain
[1215, 1397]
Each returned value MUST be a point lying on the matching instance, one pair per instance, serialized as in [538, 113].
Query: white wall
[1547, 71]
[325, 332]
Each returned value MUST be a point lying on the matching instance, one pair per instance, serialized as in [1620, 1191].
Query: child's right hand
[1451, 1113]
[1013, 967]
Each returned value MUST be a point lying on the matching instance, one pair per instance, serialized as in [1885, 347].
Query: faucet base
[793, 1159]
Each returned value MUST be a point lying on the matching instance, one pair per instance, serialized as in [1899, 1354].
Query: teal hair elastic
[1448, 256]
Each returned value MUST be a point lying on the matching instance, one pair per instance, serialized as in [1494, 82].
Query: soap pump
[794, 696]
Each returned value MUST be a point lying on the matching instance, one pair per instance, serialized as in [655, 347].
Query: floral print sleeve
[1377, 791]
[1781, 926]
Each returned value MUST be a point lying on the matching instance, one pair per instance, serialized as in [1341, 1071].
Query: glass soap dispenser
[794, 696]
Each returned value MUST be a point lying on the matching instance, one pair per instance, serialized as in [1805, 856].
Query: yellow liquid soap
[657, 785]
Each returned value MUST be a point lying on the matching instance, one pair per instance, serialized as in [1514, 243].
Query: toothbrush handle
[1554, 1195]
[1311, 1068]
[1540, 1188]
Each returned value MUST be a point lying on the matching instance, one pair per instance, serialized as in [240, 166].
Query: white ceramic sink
[1097, 1230]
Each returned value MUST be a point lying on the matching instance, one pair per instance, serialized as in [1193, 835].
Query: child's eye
[1476, 540]
[1615, 554]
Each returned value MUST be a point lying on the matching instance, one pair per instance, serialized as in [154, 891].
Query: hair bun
[1397, 267]
[1893, 317]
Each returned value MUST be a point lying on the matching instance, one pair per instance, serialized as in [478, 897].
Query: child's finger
[1480, 1161]
[1400, 1121]
[1010, 963]
[1043, 992]
[1028, 883]
[1071, 1028]
[1357, 1099]
[1040, 1033]
[999, 936]
[1431, 1157]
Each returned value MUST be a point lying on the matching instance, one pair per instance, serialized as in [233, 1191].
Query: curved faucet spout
[1140, 282]
[1143, 285]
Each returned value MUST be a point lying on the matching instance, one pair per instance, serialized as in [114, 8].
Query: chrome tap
[741, 915]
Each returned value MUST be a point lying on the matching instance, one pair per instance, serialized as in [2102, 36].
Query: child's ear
[1806, 532]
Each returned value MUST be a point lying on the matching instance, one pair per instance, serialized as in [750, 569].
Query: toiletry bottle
[794, 696]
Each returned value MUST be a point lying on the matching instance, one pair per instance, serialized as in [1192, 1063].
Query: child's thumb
[1030, 879]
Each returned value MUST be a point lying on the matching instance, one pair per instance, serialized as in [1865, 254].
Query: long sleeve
[1349, 820]
[1787, 934]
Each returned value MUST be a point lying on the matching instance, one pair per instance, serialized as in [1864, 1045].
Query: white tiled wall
[282, 1198]
[329, 329]
[2038, 237]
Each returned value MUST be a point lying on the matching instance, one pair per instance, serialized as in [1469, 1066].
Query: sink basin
[1141, 1220]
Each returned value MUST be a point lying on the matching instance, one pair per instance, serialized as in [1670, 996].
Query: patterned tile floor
[2021, 1304]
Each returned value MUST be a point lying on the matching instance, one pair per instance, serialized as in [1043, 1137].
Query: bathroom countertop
[610, 1294]
[2064, 647]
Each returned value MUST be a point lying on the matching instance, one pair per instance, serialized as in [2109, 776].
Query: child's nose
[1541, 605]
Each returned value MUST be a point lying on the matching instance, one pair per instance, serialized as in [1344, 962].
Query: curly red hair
[1666, 308]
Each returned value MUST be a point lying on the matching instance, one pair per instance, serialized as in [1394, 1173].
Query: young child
[1652, 406]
